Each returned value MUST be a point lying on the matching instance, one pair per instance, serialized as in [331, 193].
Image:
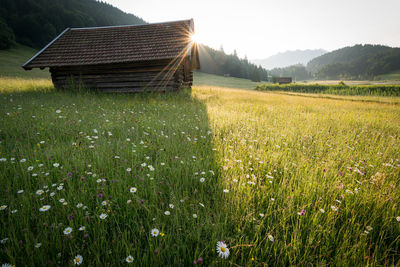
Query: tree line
[218, 62]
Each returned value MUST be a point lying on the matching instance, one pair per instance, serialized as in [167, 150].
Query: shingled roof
[115, 44]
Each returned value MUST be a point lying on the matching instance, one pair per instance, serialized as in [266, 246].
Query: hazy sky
[259, 28]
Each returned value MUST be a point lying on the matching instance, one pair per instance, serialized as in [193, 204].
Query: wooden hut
[133, 58]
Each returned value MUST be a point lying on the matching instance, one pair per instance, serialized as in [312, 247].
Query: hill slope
[289, 58]
[12, 59]
[359, 61]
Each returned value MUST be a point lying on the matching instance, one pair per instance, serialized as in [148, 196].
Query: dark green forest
[218, 62]
[36, 22]
[356, 62]
[297, 72]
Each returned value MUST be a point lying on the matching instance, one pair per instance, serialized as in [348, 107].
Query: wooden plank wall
[138, 77]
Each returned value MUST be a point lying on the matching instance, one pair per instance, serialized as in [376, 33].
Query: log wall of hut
[130, 77]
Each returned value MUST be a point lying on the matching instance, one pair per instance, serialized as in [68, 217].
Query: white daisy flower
[58, 111]
[20, 191]
[132, 190]
[167, 212]
[143, 164]
[78, 260]
[202, 180]
[56, 165]
[79, 205]
[30, 168]
[82, 228]
[155, 232]
[369, 228]
[38, 245]
[3, 207]
[129, 259]
[171, 206]
[39, 192]
[128, 169]
[226, 191]
[271, 238]
[103, 216]
[45, 208]
[67, 231]
[334, 208]
[62, 200]
[194, 216]
[322, 210]
[6, 265]
[222, 250]
[398, 218]
[22, 160]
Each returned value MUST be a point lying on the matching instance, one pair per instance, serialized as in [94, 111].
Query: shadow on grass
[98, 147]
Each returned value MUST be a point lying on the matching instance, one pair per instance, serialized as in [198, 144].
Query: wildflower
[3, 207]
[369, 228]
[222, 250]
[334, 208]
[61, 200]
[171, 206]
[167, 213]
[322, 210]
[30, 168]
[302, 212]
[39, 192]
[151, 168]
[3, 159]
[58, 111]
[271, 238]
[78, 260]
[262, 215]
[202, 180]
[226, 191]
[129, 259]
[398, 218]
[132, 190]
[20, 191]
[82, 228]
[155, 232]
[103, 216]
[56, 165]
[38, 245]
[194, 216]
[6, 265]
[143, 164]
[104, 203]
[45, 208]
[67, 231]
[22, 160]
[128, 169]
[79, 205]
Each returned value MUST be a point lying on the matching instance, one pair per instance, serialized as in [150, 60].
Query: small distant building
[283, 80]
[227, 75]
[133, 58]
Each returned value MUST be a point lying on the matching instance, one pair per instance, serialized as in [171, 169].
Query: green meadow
[281, 179]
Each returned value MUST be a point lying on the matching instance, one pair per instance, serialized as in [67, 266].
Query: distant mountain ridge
[289, 58]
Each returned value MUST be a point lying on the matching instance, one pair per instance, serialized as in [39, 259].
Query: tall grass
[287, 180]
[363, 90]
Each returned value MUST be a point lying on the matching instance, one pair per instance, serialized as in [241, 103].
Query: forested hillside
[356, 62]
[217, 62]
[36, 22]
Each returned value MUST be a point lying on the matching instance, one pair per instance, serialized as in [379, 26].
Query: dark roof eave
[25, 66]
[98, 63]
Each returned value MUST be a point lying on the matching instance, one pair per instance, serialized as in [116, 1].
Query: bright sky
[260, 28]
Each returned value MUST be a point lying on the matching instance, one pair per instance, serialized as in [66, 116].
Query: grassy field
[281, 179]
[335, 89]
[12, 59]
